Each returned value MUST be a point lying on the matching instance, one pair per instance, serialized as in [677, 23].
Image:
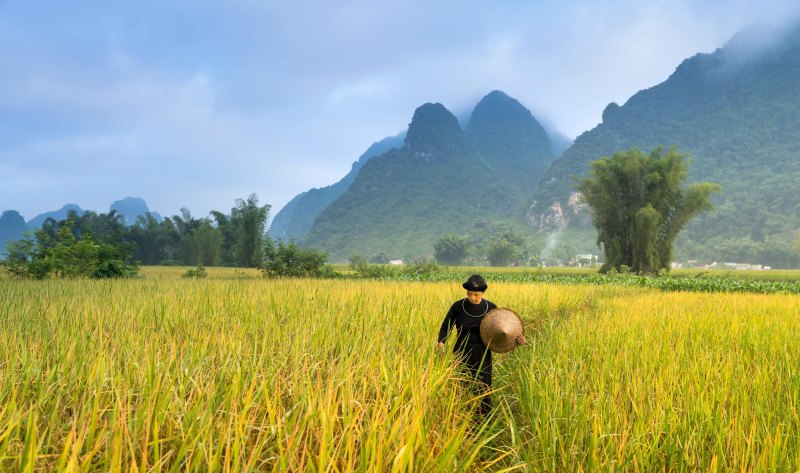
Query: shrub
[198, 273]
[363, 269]
[67, 255]
[287, 260]
[422, 269]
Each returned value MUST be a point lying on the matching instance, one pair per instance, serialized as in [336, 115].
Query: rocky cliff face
[555, 217]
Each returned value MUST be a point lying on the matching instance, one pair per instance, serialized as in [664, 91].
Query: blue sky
[196, 103]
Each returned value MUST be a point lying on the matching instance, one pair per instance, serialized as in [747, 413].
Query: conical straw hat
[499, 329]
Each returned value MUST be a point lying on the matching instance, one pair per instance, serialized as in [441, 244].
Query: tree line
[639, 205]
[638, 202]
[101, 245]
[507, 247]
[232, 239]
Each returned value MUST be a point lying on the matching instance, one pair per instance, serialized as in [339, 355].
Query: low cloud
[197, 103]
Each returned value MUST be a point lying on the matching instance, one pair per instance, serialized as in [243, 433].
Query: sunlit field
[239, 373]
[761, 275]
[177, 272]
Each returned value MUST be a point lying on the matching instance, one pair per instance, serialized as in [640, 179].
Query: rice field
[239, 373]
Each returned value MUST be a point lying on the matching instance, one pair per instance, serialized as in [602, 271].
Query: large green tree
[505, 248]
[450, 249]
[639, 206]
[284, 259]
[188, 251]
[250, 221]
[156, 242]
[228, 231]
[209, 244]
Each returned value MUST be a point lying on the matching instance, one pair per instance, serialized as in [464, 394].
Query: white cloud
[194, 104]
[359, 90]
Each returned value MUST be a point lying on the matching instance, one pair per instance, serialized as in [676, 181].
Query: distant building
[738, 266]
[585, 260]
[396, 261]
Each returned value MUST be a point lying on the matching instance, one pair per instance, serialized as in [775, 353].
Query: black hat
[475, 283]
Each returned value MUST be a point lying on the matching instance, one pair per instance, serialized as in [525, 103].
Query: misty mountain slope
[131, 208]
[12, 227]
[514, 145]
[36, 222]
[737, 111]
[443, 181]
[403, 200]
[296, 217]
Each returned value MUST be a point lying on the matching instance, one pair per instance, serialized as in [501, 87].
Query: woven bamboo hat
[499, 329]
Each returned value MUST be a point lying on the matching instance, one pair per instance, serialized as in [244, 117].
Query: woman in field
[466, 315]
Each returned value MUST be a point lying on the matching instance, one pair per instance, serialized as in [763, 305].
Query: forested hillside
[737, 111]
[295, 219]
[513, 144]
[444, 180]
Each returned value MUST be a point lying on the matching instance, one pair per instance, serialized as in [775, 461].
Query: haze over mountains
[737, 111]
[13, 225]
[295, 219]
[443, 180]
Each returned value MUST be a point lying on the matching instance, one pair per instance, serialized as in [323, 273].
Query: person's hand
[521, 339]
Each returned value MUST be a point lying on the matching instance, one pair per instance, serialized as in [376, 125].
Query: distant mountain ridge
[12, 228]
[129, 207]
[295, 219]
[443, 180]
[513, 143]
[13, 225]
[737, 111]
[36, 222]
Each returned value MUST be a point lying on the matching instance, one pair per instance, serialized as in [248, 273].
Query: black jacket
[466, 318]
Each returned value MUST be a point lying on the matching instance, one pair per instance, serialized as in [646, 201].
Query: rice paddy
[239, 373]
